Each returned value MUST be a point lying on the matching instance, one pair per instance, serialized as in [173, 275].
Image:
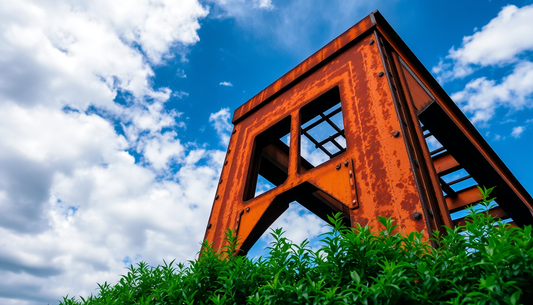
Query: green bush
[483, 262]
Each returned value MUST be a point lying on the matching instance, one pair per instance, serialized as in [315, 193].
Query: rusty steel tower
[381, 106]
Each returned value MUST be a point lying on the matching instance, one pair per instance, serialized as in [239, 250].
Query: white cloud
[81, 55]
[226, 84]
[161, 149]
[500, 42]
[75, 205]
[311, 154]
[482, 97]
[504, 44]
[287, 24]
[517, 131]
[234, 8]
[298, 224]
[221, 122]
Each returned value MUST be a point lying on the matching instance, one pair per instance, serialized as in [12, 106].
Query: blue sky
[114, 116]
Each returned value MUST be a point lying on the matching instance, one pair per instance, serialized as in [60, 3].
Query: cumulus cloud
[86, 185]
[482, 96]
[221, 122]
[504, 45]
[498, 43]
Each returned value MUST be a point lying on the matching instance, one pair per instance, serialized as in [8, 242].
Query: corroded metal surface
[386, 168]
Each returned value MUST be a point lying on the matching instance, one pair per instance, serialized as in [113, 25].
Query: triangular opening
[298, 223]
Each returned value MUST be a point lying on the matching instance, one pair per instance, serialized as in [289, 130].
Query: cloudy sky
[114, 116]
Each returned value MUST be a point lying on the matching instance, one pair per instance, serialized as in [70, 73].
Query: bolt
[220, 182]
[354, 202]
[248, 209]
[229, 150]
[371, 42]
[417, 215]
[209, 226]
[226, 162]
[234, 131]
[346, 163]
[338, 166]
[396, 134]
[381, 74]
[216, 197]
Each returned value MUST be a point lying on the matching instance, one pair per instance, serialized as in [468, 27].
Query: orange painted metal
[445, 163]
[463, 198]
[497, 212]
[386, 168]
[452, 128]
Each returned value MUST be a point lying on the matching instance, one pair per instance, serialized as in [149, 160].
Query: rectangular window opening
[270, 160]
[322, 130]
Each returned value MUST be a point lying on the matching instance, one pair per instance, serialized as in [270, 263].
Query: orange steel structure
[379, 162]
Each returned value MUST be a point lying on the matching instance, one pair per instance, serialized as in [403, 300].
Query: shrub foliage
[483, 262]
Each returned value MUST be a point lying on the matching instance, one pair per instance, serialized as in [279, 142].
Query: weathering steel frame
[386, 169]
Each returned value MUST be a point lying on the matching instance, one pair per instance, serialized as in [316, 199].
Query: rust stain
[380, 178]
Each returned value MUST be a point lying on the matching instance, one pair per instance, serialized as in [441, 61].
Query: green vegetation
[479, 263]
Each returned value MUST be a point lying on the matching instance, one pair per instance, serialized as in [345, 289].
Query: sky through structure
[115, 116]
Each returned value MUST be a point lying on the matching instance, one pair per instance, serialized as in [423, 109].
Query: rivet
[371, 42]
[417, 215]
[346, 163]
[220, 182]
[226, 162]
[338, 166]
[248, 209]
[354, 202]
[229, 150]
[209, 226]
[381, 74]
[396, 134]
[216, 197]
